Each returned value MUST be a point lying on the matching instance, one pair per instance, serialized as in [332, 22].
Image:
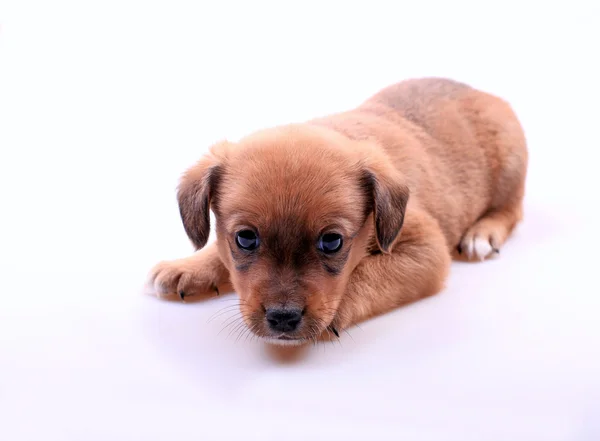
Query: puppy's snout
[284, 320]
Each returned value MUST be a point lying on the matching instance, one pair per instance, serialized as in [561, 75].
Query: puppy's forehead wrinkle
[288, 244]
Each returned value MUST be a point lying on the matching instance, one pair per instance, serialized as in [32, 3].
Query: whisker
[230, 299]
[335, 331]
[349, 335]
[254, 336]
[222, 311]
[328, 332]
[314, 335]
[309, 336]
[237, 318]
[231, 327]
[242, 333]
[237, 328]
[252, 329]
[231, 319]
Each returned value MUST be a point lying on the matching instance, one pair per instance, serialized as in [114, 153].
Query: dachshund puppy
[327, 223]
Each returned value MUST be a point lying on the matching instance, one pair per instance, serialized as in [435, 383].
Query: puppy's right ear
[197, 190]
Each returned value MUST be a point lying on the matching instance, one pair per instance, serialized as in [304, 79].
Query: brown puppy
[324, 224]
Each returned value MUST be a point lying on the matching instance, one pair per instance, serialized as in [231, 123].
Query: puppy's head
[296, 209]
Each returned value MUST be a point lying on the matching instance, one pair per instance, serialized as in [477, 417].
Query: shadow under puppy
[324, 224]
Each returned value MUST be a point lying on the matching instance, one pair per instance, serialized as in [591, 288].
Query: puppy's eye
[330, 243]
[247, 240]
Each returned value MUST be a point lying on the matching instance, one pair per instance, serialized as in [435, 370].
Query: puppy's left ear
[388, 197]
[197, 190]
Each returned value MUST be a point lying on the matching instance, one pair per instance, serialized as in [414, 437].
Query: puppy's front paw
[183, 278]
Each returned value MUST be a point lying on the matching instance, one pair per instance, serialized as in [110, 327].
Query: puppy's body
[420, 169]
[462, 151]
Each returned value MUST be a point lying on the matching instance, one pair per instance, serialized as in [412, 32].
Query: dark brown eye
[247, 240]
[330, 243]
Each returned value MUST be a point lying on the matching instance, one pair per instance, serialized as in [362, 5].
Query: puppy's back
[463, 150]
[419, 100]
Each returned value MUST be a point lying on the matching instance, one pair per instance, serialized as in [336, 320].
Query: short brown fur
[423, 168]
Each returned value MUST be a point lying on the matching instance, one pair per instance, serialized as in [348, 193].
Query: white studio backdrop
[103, 104]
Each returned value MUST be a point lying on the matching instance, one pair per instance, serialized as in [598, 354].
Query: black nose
[283, 320]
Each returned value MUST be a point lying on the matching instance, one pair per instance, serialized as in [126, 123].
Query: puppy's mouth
[289, 327]
[286, 340]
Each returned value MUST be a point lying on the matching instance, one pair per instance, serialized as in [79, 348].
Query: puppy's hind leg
[505, 143]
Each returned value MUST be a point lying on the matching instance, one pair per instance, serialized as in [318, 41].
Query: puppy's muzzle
[284, 320]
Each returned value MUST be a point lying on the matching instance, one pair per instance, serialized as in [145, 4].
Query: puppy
[327, 223]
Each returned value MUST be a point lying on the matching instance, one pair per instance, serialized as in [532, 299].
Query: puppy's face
[296, 210]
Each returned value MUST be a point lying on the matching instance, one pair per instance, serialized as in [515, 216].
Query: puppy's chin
[280, 342]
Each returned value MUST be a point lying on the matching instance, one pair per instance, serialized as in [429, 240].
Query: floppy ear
[197, 190]
[388, 197]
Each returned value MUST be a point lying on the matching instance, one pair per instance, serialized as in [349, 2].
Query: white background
[103, 104]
